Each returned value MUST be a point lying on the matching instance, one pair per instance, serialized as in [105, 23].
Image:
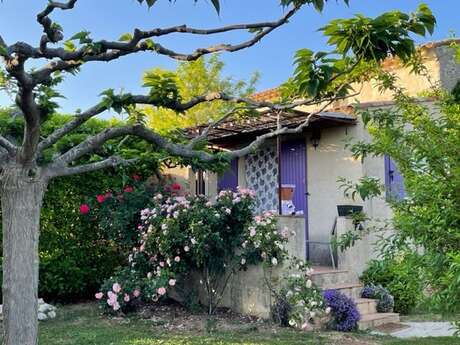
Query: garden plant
[27, 168]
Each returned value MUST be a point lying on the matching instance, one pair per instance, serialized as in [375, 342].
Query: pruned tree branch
[25, 100]
[8, 146]
[110, 162]
[96, 141]
[134, 99]
[111, 50]
[52, 32]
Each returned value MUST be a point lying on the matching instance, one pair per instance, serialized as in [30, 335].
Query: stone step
[322, 276]
[377, 319]
[352, 290]
[366, 305]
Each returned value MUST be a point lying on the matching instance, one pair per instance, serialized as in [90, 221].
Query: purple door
[293, 170]
[394, 181]
[229, 179]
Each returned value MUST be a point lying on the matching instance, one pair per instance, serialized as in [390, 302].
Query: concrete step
[377, 319]
[366, 305]
[322, 276]
[352, 290]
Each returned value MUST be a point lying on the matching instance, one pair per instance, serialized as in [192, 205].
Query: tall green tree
[319, 79]
[193, 79]
[424, 142]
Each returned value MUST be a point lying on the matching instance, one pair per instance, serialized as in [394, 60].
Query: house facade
[297, 175]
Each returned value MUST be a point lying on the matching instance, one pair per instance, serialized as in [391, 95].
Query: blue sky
[272, 57]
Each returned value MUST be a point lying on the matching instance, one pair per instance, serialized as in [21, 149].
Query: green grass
[83, 325]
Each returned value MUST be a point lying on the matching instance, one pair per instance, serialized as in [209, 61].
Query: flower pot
[348, 210]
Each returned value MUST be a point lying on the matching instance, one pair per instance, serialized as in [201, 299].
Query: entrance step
[377, 319]
[366, 305]
[352, 290]
[322, 276]
[347, 283]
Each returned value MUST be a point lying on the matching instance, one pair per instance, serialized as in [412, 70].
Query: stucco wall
[247, 292]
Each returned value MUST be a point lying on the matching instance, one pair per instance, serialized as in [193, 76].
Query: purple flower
[344, 311]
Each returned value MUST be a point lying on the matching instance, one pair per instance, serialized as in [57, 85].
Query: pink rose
[128, 189]
[84, 209]
[100, 198]
[186, 248]
[126, 298]
[99, 295]
[116, 306]
[172, 282]
[177, 259]
[116, 288]
[136, 293]
[161, 291]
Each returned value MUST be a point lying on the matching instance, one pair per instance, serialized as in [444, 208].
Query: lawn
[83, 325]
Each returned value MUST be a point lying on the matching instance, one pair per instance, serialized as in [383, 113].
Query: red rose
[136, 177]
[84, 209]
[176, 186]
[100, 198]
[107, 195]
[128, 189]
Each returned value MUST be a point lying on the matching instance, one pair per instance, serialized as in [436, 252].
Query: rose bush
[214, 238]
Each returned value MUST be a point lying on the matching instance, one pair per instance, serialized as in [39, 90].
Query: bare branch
[214, 124]
[111, 162]
[96, 141]
[254, 145]
[134, 99]
[8, 146]
[112, 50]
[53, 33]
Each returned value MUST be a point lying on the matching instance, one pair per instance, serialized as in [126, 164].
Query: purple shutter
[394, 181]
[293, 170]
[229, 179]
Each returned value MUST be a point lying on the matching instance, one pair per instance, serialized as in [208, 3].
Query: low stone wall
[247, 292]
[353, 259]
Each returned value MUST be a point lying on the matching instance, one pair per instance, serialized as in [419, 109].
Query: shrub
[214, 238]
[399, 277]
[76, 253]
[345, 315]
[127, 290]
[385, 302]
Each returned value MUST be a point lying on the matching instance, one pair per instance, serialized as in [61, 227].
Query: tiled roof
[267, 95]
[267, 122]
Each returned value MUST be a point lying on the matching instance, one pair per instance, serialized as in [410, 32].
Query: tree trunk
[21, 197]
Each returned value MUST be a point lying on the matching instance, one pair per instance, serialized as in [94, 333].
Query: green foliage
[424, 146]
[376, 38]
[163, 86]
[360, 43]
[366, 188]
[317, 4]
[150, 3]
[74, 256]
[400, 277]
[194, 79]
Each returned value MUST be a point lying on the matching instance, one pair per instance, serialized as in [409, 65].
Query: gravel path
[424, 329]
